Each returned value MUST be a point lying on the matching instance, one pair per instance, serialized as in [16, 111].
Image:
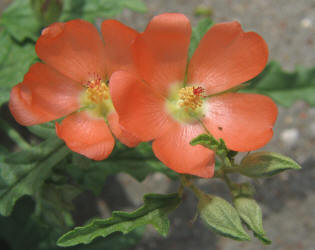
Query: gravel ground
[287, 200]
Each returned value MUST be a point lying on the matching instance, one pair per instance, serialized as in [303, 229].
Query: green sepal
[265, 164]
[221, 217]
[154, 211]
[242, 189]
[284, 87]
[251, 215]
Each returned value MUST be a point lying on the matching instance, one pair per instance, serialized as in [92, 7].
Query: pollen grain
[190, 97]
[97, 91]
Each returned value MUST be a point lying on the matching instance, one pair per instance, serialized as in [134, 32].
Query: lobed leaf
[54, 204]
[92, 9]
[15, 60]
[154, 211]
[264, 164]
[24, 172]
[283, 87]
[44, 130]
[13, 134]
[46, 12]
[221, 217]
[19, 20]
[24, 230]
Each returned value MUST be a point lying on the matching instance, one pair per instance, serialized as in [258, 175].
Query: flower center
[185, 104]
[96, 97]
[97, 91]
[190, 98]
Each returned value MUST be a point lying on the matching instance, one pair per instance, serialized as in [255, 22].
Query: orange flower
[171, 105]
[72, 81]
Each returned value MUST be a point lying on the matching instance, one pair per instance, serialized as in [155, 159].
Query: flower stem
[186, 181]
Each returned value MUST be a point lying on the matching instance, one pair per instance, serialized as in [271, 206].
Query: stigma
[96, 98]
[190, 98]
[97, 91]
[186, 104]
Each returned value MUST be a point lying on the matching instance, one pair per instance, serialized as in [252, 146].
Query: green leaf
[135, 5]
[15, 60]
[285, 87]
[21, 230]
[43, 130]
[19, 20]
[264, 164]
[221, 217]
[210, 142]
[46, 12]
[218, 146]
[13, 134]
[154, 211]
[36, 153]
[25, 230]
[137, 162]
[92, 9]
[54, 204]
[115, 241]
[242, 189]
[3, 151]
[25, 174]
[197, 33]
[251, 214]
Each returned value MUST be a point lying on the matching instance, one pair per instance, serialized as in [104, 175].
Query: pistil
[185, 104]
[96, 97]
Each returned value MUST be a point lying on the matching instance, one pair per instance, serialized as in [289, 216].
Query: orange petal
[86, 135]
[174, 150]
[243, 121]
[227, 56]
[44, 95]
[74, 48]
[118, 39]
[162, 50]
[140, 110]
[120, 132]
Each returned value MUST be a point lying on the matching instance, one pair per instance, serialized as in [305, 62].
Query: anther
[190, 97]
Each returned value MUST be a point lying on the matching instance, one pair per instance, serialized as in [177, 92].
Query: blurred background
[288, 199]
